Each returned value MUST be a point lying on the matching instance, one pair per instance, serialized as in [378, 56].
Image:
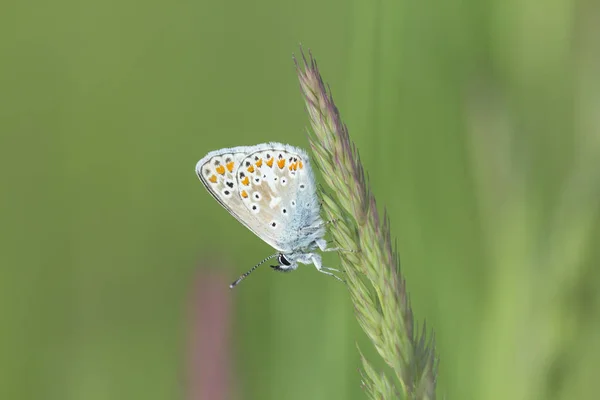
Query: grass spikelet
[377, 288]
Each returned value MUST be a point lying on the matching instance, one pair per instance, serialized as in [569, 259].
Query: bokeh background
[477, 121]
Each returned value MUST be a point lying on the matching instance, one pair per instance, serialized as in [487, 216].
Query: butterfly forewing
[276, 185]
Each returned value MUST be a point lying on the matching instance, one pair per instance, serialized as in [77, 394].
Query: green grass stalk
[377, 288]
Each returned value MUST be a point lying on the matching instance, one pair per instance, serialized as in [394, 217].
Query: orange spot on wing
[220, 169]
[300, 164]
[213, 179]
[246, 181]
[230, 166]
[270, 162]
[281, 163]
[244, 194]
[251, 169]
[293, 166]
[259, 163]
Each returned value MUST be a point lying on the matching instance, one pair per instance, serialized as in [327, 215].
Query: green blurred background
[477, 121]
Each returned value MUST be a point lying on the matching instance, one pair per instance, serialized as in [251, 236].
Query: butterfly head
[286, 262]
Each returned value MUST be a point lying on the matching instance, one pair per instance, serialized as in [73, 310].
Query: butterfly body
[270, 188]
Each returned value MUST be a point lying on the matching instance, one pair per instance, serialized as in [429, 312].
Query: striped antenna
[251, 270]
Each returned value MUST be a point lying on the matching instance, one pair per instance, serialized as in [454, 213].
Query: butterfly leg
[316, 259]
[319, 225]
[339, 249]
[322, 245]
[331, 221]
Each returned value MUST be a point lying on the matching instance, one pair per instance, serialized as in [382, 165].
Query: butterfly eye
[283, 260]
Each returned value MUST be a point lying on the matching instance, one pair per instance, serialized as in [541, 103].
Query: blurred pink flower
[209, 344]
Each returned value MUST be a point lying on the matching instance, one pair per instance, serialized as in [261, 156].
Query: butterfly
[270, 188]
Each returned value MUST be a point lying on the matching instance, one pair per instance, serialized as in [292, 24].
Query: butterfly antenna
[238, 280]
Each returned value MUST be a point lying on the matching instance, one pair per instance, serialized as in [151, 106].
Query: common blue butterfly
[271, 189]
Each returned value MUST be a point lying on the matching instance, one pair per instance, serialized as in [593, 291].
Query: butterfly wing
[217, 172]
[277, 184]
[269, 188]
